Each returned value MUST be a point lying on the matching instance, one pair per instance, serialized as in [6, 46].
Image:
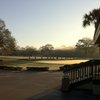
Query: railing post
[65, 84]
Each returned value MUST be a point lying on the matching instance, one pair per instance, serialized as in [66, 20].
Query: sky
[39, 22]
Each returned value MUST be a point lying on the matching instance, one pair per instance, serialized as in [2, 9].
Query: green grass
[18, 62]
[25, 64]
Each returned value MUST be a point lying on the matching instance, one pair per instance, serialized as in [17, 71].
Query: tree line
[84, 47]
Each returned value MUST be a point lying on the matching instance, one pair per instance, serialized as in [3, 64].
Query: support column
[65, 84]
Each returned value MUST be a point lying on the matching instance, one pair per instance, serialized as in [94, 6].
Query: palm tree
[93, 17]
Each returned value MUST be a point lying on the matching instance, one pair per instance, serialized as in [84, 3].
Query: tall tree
[85, 46]
[84, 42]
[46, 50]
[93, 17]
[7, 42]
[30, 51]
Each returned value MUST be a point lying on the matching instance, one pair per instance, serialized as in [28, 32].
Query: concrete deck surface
[24, 85]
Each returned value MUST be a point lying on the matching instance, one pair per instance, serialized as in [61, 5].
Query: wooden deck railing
[83, 71]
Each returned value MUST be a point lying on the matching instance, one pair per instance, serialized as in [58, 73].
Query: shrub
[37, 68]
[61, 68]
[3, 67]
[11, 68]
[1, 60]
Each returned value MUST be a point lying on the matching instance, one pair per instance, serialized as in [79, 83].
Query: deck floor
[24, 85]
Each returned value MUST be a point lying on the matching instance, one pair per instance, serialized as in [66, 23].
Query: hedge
[37, 68]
